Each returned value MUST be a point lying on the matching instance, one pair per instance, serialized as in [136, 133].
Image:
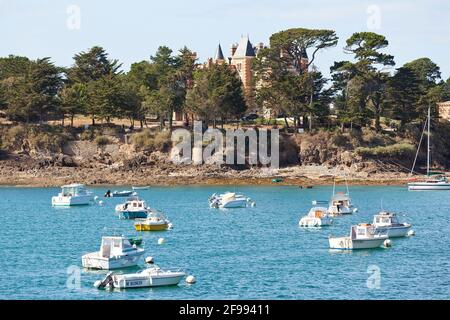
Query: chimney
[233, 49]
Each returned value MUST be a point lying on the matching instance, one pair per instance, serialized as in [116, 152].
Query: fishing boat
[316, 218]
[388, 223]
[362, 236]
[340, 204]
[115, 252]
[155, 221]
[150, 277]
[230, 200]
[141, 188]
[72, 195]
[433, 180]
[133, 208]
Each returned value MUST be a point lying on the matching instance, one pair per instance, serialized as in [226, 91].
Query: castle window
[239, 67]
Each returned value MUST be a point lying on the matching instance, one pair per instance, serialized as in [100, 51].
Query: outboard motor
[107, 282]
[108, 194]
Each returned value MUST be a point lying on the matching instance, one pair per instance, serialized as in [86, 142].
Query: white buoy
[97, 284]
[170, 226]
[161, 240]
[100, 203]
[190, 279]
[149, 260]
[96, 198]
[411, 233]
[387, 243]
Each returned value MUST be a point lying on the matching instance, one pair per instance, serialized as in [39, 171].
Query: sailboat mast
[428, 146]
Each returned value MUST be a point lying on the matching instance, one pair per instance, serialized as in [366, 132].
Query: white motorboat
[340, 204]
[434, 180]
[388, 223]
[230, 200]
[362, 236]
[151, 277]
[133, 208]
[317, 217]
[114, 253]
[72, 195]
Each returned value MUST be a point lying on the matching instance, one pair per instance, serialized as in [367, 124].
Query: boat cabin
[135, 204]
[73, 189]
[340, 199]
[317, 212]
[385, 219]
[363, 230]
[115, 246]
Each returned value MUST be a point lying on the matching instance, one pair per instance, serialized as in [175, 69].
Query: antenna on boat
[382, 209]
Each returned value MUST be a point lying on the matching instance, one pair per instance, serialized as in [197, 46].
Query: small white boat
[316, 218]
[114, 253]
[230, 200]
[340, 204]
[151, 277]
[388, 223]
[362, 236]
[73, 195]
[141, 188]
[133, 208]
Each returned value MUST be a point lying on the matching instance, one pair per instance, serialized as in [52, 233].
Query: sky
[132, 30]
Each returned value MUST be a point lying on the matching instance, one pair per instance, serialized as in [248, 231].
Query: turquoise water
[254, 253]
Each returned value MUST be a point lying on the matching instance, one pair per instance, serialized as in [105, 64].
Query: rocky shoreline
[190, 175]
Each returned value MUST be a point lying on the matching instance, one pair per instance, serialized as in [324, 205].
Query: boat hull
[394, 232]
[131, 215]
[94, 261]
[61, 201]
[151, 227]
[428, 186]
[346, 243]
[307, 222]
[145, 281]
[235, 204]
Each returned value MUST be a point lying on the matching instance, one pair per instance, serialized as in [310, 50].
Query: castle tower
[219, 57]
[242, 59]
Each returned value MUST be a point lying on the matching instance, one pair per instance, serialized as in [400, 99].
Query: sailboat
[434, 180]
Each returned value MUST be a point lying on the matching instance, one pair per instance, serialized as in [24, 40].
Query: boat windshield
[73, 190]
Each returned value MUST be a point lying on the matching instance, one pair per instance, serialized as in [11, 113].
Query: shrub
[102, 140]
[143, 140]
[339, 140]
[395, 150]
[87, 135]
[162, 141]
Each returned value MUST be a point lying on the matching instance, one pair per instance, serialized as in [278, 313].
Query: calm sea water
[254, 253]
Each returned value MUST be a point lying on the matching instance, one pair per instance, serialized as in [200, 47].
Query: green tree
[92, 65]
[73, 100]
[217, 94]
[98, 73]
[366, 78]
[30, 88]
[283, 80]
[403, 94]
